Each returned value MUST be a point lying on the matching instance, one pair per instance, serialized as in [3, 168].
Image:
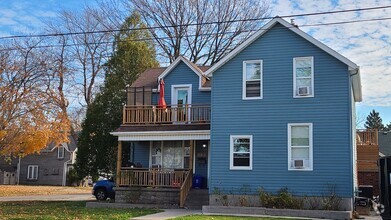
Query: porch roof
[163, 132]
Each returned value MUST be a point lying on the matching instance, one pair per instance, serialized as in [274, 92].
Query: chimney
[293, 23]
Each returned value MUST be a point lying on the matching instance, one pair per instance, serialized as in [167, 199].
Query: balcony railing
[174, 114]
[367, 137]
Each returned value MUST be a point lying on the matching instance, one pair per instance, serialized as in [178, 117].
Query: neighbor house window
[32, 172]
[303, 77]
[252, 79]
[300, 146]
[60, 152]
[241, 152]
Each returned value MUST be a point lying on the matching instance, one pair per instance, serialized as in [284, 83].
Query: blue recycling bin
[197, 181]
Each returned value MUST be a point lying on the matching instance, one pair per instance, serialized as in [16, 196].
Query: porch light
[204, 145]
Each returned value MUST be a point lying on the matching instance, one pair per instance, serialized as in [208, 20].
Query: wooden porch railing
[367, 137]
[152, 177]
[170, 114]
[185, 188]
[142, 177]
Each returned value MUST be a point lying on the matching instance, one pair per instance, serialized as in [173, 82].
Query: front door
[181, 101]
[201, 163]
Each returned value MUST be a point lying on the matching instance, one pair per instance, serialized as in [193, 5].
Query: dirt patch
[6, 190]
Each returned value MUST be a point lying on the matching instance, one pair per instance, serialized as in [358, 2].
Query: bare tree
[83, 44]
[89, 48]
[203, 30]
[59, 73]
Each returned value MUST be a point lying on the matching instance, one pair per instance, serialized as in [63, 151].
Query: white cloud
[21, 17]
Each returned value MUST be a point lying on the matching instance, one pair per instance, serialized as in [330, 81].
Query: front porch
[153, 186]
[160, 172]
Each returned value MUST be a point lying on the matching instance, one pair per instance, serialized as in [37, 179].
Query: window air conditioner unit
[303, 91]
[298, 164]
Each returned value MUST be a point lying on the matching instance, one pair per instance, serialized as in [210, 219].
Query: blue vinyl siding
[267, 119]
[155, 98]
[141, 153]
[182, 74]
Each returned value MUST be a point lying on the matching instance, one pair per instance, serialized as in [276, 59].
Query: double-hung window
[32, 172]
[60, 152]
[303, 77]
[300, 146]
[252, 79]
[241, 152]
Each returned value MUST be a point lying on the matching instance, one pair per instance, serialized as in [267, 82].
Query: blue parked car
[103, 189]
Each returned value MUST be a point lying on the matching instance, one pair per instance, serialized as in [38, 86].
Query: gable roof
[71, 145]
[150, 77]
[353, 68]
[197, 70]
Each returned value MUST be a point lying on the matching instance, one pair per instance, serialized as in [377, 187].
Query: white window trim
[161, 155]
[173, 92]
[312, 77]
[33, 177]
[62, 150]
[231, 158]
[244, 80]
[150, 154]
[290, 125]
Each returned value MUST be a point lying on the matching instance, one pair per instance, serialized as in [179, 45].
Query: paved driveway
[76, 197]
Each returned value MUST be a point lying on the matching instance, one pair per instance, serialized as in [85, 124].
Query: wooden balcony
[367, 150]
[367, 137]
[174, 114]
[157, 178]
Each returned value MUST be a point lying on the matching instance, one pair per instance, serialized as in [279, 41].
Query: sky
[368, 44]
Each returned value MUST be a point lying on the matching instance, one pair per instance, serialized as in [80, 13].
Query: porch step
[197, 198]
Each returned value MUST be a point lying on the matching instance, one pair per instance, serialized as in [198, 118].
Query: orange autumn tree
[29, 116]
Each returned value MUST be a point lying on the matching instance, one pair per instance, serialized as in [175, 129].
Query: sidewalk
[168, 213]
[74, 197]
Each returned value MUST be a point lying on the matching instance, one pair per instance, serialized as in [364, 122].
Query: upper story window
[303, 77]
[252, 79]
[32, 172]
[60, 152]
[300, 146]
[241, 152]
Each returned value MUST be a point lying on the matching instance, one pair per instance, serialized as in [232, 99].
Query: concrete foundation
[248, 211]
[138, 195]
[311, 203]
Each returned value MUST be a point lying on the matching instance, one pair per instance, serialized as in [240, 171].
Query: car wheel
[101, 194]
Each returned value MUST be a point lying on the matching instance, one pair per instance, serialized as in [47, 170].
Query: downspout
[18, 171]
[64, 172]
[353, 125]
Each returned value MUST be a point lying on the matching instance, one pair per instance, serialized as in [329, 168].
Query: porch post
[191, 154]
[119, 162]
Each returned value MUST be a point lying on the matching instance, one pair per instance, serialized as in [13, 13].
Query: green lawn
[65, 210]
[210, 217]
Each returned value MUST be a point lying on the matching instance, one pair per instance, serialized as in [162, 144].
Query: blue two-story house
[278, 111]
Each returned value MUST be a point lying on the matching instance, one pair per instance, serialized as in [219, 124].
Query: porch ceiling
[162, 135]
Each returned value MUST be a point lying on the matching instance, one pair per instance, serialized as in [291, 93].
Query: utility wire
[163, 38]
[193, 24]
